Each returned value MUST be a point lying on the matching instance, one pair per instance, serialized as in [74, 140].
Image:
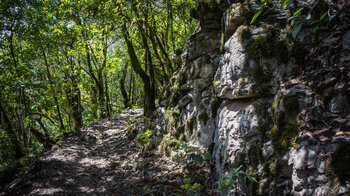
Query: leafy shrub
[297, 16]
[145, 137]
[194, 189]
[228, 181]
[193, 158]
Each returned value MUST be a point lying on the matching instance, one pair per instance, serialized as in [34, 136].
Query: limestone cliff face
[243, 94]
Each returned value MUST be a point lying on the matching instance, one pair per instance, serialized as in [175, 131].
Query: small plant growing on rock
[228, 181]
[192, 157]
[194, 189]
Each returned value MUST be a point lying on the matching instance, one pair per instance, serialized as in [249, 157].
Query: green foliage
[229, 180]
[145, 137]
[193, 157]
[61, 63]
[191, 190]
[297, 17]
[146, 190]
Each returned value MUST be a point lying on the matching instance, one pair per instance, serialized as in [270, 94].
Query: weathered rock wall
[249, 101]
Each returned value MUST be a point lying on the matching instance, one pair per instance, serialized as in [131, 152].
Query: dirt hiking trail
[100, 160]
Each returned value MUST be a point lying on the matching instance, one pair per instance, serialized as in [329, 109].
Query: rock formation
[255, 96]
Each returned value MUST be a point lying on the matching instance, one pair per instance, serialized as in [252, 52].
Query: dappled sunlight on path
[101, 161]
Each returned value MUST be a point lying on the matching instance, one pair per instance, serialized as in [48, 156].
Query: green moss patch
[190, 125]
[273, 167]
[244, 33]
[244, 10]
[170, 143]
[262, 76]
[172, 118]
[283, 139]
[267, 45]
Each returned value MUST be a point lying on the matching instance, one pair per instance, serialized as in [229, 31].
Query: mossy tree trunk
[149, 97]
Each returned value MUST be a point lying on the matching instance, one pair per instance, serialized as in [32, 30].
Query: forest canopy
[67, 64]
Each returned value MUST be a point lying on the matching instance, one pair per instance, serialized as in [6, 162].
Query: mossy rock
[275, 103]
[283, 139]
[262, 77]
[267, 45]
[179, 131]
[264, 118]
[253, 155]
[244, 10]
[273, 167]
[291, 104]
[204, 7]
[196, 135]
[172, 117]
[244, 33]
[169, 143]
[215, 106]
[180, 80]
[295, 49]
[203, 117]
[190, 125]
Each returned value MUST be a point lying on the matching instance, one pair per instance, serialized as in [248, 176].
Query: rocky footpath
[107, 158]
[253, 95]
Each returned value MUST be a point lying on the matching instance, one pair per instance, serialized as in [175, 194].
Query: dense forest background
[67, 64]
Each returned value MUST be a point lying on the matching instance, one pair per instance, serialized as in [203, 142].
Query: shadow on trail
[100, 160]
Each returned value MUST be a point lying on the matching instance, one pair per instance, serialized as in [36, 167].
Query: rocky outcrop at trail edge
[253, 95]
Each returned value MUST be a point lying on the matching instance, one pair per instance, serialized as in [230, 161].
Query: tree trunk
[122, 87]
[149, 100]
[94, 101]
[108, 105]
[52, 87]
[131, 79]
[6, 124]
[76, 106]
[47, 142]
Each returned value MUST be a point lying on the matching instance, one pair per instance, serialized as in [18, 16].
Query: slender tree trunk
[101, 97]
[131, 79]
[76, 105]
[23, 132]
[12, 49]
[148, 60]
[100, 85]
[52, 87]
[94, 101]
[154, 46]
[108, 105]
[133, 97]
[122, 87]
[6, 124]
[94, 91]
[149, 97]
